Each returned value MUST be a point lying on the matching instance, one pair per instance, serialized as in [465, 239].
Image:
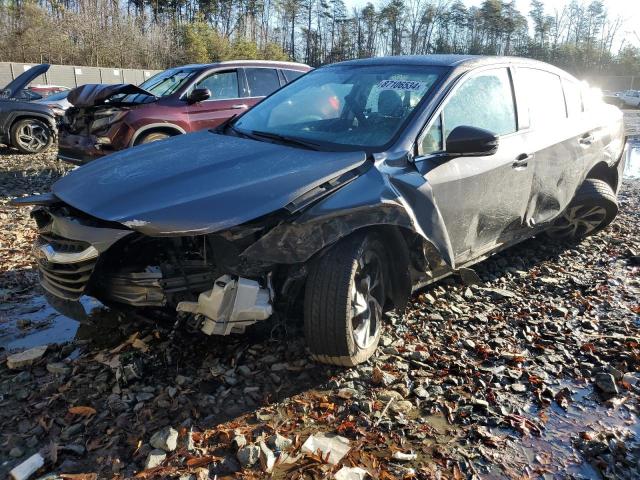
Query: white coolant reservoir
[231, 305]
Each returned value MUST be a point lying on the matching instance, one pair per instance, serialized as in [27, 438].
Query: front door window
[222, 85]
[483, 101]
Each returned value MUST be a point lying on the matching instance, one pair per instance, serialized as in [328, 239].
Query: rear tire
[593, 208]
[152, 137]
[31, 135]
[344, 298]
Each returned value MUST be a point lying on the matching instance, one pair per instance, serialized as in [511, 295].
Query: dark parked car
[24, 124]
[107, 118]
[336, 196]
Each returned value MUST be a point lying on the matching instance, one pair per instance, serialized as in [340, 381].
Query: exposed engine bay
[199, 276]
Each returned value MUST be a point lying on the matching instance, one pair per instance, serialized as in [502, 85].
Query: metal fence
[73, 76]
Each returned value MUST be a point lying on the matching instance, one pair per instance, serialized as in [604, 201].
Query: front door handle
[522, 161]
[238, 106]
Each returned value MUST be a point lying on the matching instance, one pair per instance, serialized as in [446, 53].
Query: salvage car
[24, 124]
[336, 196]
[108, 118]
[57, 102]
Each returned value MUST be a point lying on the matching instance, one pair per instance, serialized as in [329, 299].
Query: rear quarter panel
[607, 124]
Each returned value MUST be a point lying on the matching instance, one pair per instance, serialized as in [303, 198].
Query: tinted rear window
[262, 81]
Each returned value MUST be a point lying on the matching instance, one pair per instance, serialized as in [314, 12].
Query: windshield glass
[358, 107]
[160, 85]
[167, 82]
[59, 95]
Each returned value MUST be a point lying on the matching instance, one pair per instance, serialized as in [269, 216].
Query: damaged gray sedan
[336, 196]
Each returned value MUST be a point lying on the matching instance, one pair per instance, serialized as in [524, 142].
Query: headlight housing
[57, 111]
[103, 119]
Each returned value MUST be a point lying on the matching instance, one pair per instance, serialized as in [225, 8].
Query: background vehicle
[28, 126]
[178, 100]
[47, 90]
[630, 98]
[57, 102]
[337, 195]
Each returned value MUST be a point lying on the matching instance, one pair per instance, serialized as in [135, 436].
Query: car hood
[198, 183]
[21, 81]
[93, 94]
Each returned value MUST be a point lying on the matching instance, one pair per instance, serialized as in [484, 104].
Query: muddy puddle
[554, 453]
[632, 169]
[33, 322]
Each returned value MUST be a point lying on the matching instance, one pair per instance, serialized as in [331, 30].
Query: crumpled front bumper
[67, 251]
[65, 266]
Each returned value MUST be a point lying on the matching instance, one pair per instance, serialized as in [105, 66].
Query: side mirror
[199, 95]
[465, 141]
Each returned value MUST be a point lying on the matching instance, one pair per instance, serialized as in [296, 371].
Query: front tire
[152, 137]
[345, 295]
[31, 135]
[593, 208]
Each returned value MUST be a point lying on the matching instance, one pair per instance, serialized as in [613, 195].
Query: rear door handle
[586, 139]
[238, 106]
[522, 160]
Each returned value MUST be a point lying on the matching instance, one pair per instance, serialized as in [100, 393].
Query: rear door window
[545, 97]
[291, 75]
[262, 81]
[222, 85]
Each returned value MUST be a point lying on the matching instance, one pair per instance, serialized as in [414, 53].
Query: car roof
[451, 60]
[272, 63]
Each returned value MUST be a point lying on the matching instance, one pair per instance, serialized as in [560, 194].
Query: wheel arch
[602, 171]
[294, 245]
[30, 115]
[396, 240]
[168, 128]
[24, 115]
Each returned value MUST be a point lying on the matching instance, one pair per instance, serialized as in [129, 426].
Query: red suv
[107, 118]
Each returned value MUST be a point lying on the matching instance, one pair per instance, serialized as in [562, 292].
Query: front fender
[26, 113]
[400, 197]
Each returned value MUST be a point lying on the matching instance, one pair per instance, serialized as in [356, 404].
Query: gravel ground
[529, 371]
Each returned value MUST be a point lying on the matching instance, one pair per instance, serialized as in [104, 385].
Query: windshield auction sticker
[406, 85]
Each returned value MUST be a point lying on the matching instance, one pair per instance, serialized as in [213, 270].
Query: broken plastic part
[231, 305]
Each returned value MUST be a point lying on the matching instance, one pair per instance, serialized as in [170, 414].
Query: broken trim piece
[66, 258]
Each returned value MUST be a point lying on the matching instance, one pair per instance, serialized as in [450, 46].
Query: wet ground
[493, 380]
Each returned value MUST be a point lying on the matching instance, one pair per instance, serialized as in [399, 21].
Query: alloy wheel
[578, 221]
[366, 300]
[32, 136]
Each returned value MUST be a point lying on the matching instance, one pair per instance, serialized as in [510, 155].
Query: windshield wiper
[284, 139]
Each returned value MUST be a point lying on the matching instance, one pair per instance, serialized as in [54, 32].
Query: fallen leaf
[82, 410]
